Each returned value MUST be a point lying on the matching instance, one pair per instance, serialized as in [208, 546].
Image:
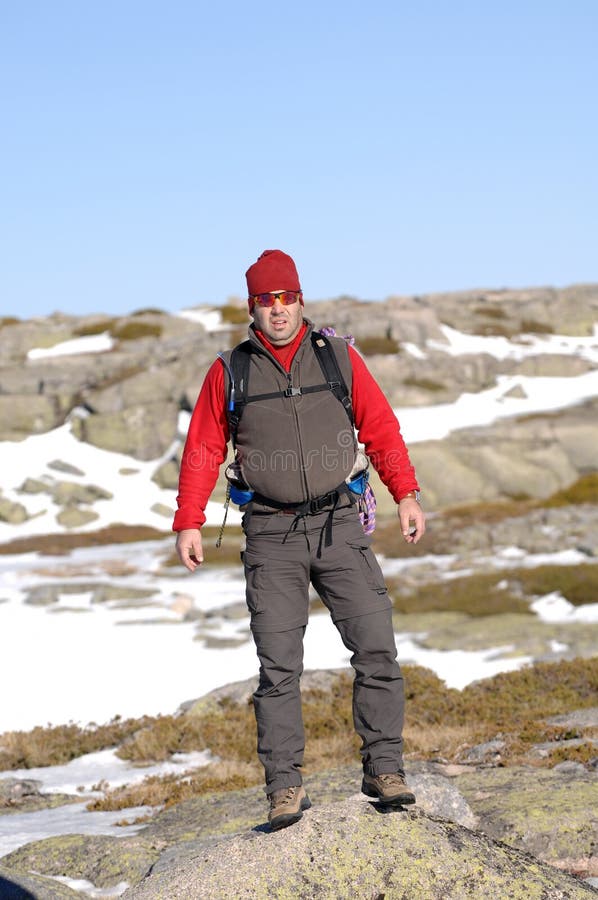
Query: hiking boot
[390, 789]
[286, 806]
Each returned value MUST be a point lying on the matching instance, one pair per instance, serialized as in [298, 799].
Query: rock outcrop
[129, 398]
[531, 456]
[354, 849]
[218, 845]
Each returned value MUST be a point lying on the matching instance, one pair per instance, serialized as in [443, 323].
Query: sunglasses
[269, 299]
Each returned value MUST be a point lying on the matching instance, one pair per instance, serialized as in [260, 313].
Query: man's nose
[277, 306]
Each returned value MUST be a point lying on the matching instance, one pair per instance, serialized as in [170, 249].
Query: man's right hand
[189, 549]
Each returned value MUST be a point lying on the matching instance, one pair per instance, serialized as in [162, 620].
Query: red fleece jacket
[205, 449]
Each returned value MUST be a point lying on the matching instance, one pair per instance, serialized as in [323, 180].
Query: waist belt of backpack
[308, 507]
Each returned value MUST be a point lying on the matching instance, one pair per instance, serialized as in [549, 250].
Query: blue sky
[150, 151]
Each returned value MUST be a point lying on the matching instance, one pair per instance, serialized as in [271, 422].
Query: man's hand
[411, 512]
[189, 549]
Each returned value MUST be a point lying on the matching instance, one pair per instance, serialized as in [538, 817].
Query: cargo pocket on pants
[253, 567]
[368, 565]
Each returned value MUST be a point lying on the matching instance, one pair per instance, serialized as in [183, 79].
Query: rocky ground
[511, 813]
[478, 830]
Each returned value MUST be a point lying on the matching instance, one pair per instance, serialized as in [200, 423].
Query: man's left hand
[413, 520]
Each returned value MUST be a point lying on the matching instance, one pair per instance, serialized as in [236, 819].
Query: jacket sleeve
[205, 451]
[379, 431]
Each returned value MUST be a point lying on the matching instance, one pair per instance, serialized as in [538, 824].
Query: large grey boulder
[551, 813]
[531, 456]
[17, 339]
[572, 310]
[31, 886]
[144, 432]
[153, 385]
[353, 849]
[100, 859]
[402, 318]
[25, 414]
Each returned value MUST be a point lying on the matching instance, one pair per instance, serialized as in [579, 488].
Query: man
[295, 448]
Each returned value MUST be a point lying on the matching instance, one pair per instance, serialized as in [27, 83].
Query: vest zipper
[298, 430]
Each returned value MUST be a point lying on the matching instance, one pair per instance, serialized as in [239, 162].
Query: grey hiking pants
[282, 556]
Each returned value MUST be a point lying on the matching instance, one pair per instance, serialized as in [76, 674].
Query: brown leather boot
[286, 806]
[390, 789]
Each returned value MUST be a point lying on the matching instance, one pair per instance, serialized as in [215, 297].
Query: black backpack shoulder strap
[238, 374]
[326, 356]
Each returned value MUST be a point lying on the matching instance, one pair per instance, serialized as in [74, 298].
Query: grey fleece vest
[292, 449]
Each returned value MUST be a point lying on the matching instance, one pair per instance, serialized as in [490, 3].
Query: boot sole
[286, 819]
[406, 799]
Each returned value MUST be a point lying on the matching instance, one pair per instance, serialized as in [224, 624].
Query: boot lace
[283, 797]
[391, 778]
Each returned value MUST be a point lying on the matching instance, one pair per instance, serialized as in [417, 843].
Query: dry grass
[369, 346]
[579, 583]
[477, 595]
[488, 594]
[58, 744]
[115, 567]
[494, 329]
[91, 328]
[489, 513]
[168, 790]
[426, 384]
[431, 741]
[132, 331]
[228, 731]
[8, 320]
[441, 723]
[234, 315]
[531, 326]
[228, 554]
[55, 544]
[490, 312]
[584, 490]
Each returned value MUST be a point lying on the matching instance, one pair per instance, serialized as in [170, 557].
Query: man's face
[279, 323]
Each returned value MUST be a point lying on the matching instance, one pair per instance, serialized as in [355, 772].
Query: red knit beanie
[274, 271]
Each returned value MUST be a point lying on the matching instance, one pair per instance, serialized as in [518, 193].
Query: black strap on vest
[238, 397]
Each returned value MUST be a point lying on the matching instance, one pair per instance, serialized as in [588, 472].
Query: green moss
[91, 328]
[57, 544]
[149, 311]
[579, 583]
[490, 312]
[426, 384]
[547, 814]
[584, 490]
[489, 594]
[476, 595]
[531, 326]
[494, 329]
[369, 346]
[131, 331]
[103, 860]
[234, 315]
